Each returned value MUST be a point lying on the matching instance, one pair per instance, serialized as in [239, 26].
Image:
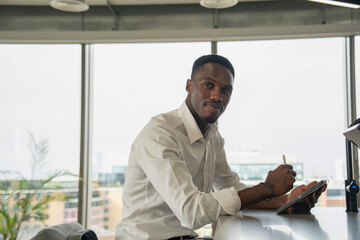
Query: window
[357, 74]
[288, 99]
[357, 86]
[132, 83]
[39, 104]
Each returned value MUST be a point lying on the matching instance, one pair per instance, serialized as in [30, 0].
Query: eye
[228, 91]
[208, 85]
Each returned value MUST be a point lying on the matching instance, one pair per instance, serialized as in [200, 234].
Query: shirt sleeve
[224, 177]
[159, 154]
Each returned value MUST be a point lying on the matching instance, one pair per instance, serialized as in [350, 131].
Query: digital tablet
[301, 196]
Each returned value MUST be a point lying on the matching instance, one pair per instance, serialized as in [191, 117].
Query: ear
[189, 85]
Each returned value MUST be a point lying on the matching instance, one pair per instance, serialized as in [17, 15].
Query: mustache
[215, 104]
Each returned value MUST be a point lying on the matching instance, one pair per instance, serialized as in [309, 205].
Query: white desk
[321, 224]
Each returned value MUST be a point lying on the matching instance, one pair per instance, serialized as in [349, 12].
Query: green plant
[25, 199]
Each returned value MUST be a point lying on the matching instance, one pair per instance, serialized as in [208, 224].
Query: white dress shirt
[171, 171]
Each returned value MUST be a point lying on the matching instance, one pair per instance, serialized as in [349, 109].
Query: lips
[215, 108]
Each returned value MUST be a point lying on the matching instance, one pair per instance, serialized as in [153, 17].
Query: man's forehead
[213, 65]
[214, 69]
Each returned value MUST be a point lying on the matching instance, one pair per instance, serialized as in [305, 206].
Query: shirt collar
[192, 129]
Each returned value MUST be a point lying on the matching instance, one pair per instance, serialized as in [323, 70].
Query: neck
[201, 124]
[203, 127]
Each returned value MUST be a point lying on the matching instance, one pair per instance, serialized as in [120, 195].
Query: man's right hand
[281, 180]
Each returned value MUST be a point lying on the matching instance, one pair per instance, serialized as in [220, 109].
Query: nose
[216, 95]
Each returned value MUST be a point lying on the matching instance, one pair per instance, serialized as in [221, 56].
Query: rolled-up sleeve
[229, 200]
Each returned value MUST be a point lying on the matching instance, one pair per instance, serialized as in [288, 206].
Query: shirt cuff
[228, 199]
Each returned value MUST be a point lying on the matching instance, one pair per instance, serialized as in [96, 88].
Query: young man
[179, 157]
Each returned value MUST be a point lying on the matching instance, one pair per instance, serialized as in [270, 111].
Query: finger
[308, 186]
[308, 205]
[289, 166]
[313, 199]
[295, 192]
[324, 188]
[286, 166]
[311, 184]
[301, 207]
[292, 177]
[290, 210]
[320, 191]
[304, 206]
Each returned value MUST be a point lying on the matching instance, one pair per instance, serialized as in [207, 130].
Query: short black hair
[213, 58]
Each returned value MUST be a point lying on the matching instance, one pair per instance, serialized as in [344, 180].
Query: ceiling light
[70, 5]
[218, 3]
[342, 3]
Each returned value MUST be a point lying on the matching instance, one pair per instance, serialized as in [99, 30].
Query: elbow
[186, 223]
[191, 223]
[188, 218]
[194, 214]
[195, 209]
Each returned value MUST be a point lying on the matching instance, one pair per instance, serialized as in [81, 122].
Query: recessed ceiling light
[218, 3]
[70, 5]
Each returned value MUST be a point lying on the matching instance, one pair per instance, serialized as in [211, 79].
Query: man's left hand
[305, 205]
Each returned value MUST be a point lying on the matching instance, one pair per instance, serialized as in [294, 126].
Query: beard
[210, 119]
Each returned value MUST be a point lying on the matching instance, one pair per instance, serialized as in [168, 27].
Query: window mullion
[86, 136]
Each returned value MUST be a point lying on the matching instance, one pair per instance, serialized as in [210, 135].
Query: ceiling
[34, 21]
[112, 2]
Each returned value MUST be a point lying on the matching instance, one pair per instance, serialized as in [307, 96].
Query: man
[179, 157]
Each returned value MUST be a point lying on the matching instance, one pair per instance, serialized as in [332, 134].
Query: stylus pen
[284, 159]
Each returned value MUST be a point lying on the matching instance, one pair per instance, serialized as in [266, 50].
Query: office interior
[85, 83]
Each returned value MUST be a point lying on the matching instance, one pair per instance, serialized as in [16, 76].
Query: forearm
[254, 197]
[274, 203]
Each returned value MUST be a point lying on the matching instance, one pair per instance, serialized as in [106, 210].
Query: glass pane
[357, 86]
[40, 130]
[288, 99]
[132, 83]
